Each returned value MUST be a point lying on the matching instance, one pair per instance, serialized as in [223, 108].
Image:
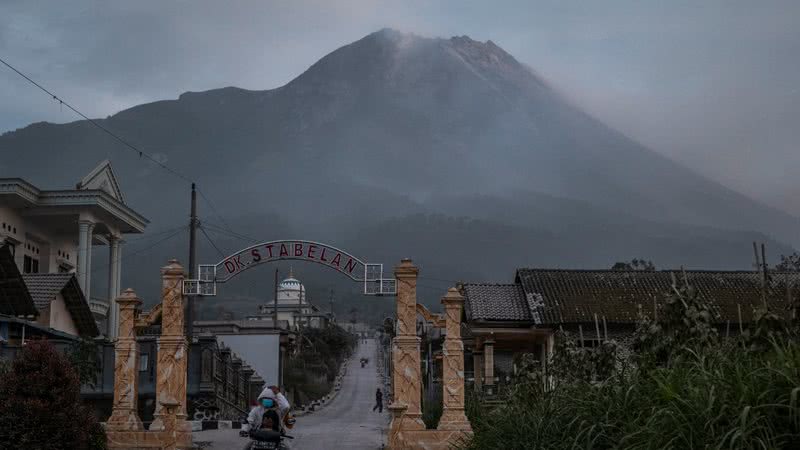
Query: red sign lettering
[230, 267]
[350, 265]
[311, 249]
[337, 259]
[322, 256]
[298, 250]
[269, 247]
[284, 252]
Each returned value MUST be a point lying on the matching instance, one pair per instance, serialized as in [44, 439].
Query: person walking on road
[378, 401]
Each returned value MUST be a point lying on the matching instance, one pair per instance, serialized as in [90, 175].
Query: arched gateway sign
[357, 270]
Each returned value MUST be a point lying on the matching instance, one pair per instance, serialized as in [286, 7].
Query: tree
[41, 402]
[789, 263]
[635, 264]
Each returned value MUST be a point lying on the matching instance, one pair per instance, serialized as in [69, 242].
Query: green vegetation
[432, 407]
[681, 387]
[41, 402]
[312, 368]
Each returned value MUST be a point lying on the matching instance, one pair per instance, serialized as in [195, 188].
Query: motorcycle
[268, 440]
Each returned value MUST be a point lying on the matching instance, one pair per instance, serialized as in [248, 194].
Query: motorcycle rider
[283, 404]
[266, 411]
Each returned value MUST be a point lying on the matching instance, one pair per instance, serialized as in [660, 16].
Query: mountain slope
[395, 127]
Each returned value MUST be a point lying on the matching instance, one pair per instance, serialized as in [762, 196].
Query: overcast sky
[714, 84]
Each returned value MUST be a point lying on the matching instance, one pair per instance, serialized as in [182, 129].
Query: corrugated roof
[575, 296]
[496, 302]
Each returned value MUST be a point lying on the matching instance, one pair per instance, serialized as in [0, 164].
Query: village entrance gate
[170, 429]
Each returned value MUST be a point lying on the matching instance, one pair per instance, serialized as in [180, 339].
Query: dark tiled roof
[45, 286]
[496, 302]
[15, 300]
[575, 296]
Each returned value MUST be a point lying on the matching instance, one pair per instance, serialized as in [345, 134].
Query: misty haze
[607, 208]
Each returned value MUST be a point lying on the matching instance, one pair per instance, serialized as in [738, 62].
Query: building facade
[292, 307]
[54, 232]
[506, 321]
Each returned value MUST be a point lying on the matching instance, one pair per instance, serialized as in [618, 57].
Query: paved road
[347, 422]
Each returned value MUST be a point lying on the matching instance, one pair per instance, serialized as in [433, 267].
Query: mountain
[446, 150]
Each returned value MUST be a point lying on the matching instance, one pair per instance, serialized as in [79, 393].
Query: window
[30, 265]
[143, 362]
[26, 264]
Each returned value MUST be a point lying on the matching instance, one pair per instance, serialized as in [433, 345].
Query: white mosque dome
[291, 284]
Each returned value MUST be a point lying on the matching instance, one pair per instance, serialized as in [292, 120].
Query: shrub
[41, 403]
[683, 390]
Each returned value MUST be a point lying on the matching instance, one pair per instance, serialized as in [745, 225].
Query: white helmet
[266, 393]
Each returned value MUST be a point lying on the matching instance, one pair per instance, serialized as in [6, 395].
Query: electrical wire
[122, 141]
[214, 210]
[148, 236]
[229, 233]
[128, 255]
[210, 241]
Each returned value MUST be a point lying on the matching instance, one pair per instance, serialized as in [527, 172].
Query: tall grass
[724, 398]
[704, 394]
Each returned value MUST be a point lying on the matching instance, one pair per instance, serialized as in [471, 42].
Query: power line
[127, 144]
[214, 210]
[438, 279]
[230, 233]
[128, 255]
[211, 241]
[149, 236]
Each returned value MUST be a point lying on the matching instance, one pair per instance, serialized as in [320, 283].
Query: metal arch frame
[374, 283]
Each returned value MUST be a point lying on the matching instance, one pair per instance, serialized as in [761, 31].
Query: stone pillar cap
[129, 296]
[406, 268]
[173, 267]
[452, 296]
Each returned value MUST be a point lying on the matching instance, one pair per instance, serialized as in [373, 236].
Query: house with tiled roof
[51, 236]
[506, 320]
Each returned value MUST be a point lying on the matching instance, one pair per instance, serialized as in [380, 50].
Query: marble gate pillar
[453, 417]
[406, 371]
[124, 416]
[172, 355]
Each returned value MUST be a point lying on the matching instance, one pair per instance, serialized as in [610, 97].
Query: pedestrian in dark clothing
[378, 401]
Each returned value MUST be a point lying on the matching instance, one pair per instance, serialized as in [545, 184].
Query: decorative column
[453, 417]
[172, 353]
[406, 372]
[85, 228]
[124, 416]
[477, 368]
[113, 286]
[488, 360]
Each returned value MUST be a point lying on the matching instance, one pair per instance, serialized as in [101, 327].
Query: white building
[293, 307]
[48, 232]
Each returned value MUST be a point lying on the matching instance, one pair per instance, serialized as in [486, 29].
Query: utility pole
[275, 310]
[192, 265]
[331, 305]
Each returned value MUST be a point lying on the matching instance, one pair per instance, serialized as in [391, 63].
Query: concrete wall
[50, 246]
[60, 318]
[261, 351]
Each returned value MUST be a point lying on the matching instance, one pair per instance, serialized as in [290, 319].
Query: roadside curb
[317, 405]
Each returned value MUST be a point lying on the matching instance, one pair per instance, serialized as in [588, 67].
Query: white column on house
[85, 228]
[488, 360]
[113, 286]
